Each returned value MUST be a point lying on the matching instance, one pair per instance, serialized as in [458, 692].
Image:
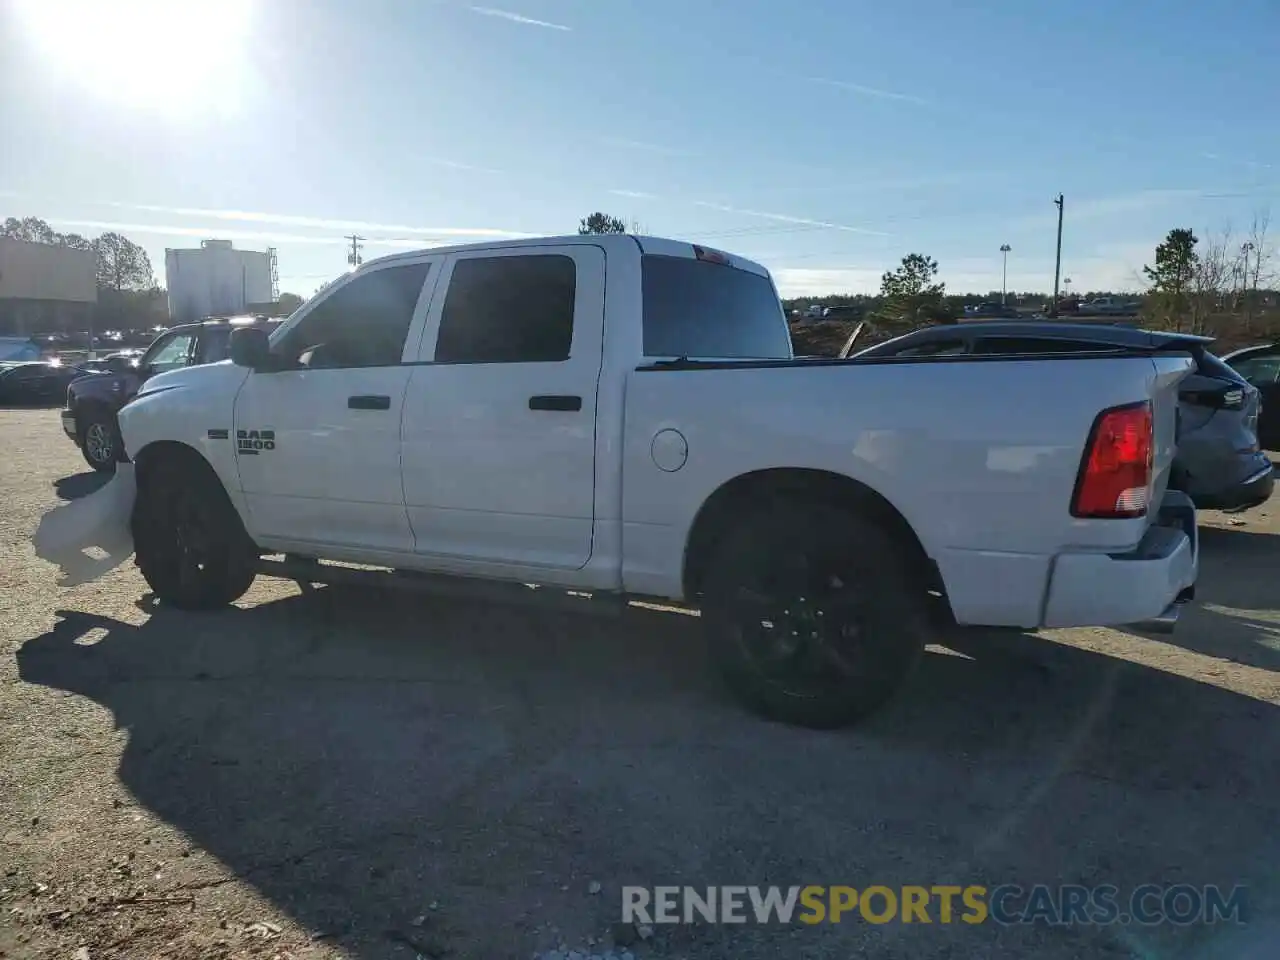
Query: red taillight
[1115, 477]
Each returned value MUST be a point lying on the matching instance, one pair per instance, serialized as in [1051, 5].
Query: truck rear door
[498, 436]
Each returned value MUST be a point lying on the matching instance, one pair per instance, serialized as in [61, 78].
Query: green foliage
[122, 264]
[601, 223]
[1177, 266]
[288, 303]
[910, 294]
[1176, 261]
[35, 230]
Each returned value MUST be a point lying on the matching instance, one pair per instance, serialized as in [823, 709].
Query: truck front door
[318, 440]
[499, 426]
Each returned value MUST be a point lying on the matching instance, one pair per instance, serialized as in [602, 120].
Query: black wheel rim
[805, 627]
[187, 539]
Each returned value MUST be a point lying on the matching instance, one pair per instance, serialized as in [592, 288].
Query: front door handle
[369, 401]
[555, 402]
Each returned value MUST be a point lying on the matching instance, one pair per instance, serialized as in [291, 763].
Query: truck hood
[209, 375]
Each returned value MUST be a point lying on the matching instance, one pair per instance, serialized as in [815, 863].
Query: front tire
[189, 542]
[100, 442]
[814, 614]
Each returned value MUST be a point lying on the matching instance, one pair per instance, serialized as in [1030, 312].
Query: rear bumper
[1253, 490]
[69, 425]
[1099, 589]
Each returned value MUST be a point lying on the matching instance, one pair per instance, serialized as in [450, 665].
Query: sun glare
[169, 55]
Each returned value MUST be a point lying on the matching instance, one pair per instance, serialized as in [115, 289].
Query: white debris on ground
[90, 535]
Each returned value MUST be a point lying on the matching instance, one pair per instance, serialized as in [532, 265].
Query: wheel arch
[93, 406]
[736, 496]
[159, 450]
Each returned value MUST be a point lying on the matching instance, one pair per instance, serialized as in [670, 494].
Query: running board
[305, 570]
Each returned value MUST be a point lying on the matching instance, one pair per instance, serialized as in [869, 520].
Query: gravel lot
[370, 774]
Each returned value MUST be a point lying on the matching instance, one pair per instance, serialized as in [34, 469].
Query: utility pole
[354, 257]
[1004, 271]
[1057, 262]
[1246, 282]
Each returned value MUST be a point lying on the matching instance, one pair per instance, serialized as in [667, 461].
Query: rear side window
[1263, 369]
[993, 345]
[508, 310]
[698, 309]
[932, 348]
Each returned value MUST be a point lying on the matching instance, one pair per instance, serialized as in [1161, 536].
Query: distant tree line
[128, 296]
[1223, 288]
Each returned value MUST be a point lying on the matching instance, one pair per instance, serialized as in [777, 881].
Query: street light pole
[1004, 271]
[1057, 262]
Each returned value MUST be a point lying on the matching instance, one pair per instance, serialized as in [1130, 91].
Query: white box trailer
[217, 280]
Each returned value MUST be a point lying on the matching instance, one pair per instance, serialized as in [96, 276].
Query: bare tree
[1256, 255]
[1211, 279]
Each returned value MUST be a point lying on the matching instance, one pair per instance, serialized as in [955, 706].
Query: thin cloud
[517, 18]
[647, 147]
[870, 91]
[252, 236]
[1100, 208]
[319, 223]
[786, 218]
[634, 194]
[1252, 164]
[458, 165]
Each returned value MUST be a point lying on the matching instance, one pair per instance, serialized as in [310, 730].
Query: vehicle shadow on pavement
[358, 756]
[80, 484]
[1239, 574]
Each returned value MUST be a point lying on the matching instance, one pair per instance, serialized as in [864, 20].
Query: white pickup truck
[623, 416]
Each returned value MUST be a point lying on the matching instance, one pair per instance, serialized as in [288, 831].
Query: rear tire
[814, 614]
[100, 442]
[189, 542]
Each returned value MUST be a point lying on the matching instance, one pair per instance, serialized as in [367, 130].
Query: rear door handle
[555, 402]
[369, 401]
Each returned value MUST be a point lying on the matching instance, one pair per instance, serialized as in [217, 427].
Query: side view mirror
[250, 348]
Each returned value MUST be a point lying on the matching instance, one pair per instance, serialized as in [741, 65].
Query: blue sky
[826, 138]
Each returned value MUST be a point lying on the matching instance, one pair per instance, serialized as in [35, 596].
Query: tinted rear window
[693, 308]
[989, 345]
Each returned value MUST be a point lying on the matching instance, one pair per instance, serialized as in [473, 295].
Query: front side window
[509, 310]
[171, 353]
[215, 344]
[364, 323]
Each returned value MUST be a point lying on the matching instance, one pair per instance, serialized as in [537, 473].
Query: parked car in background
[35, 381]
[1260, 366]
[19, 348]
[991, 310]
[1219, 463]
[1108, 307]
[89, 417]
